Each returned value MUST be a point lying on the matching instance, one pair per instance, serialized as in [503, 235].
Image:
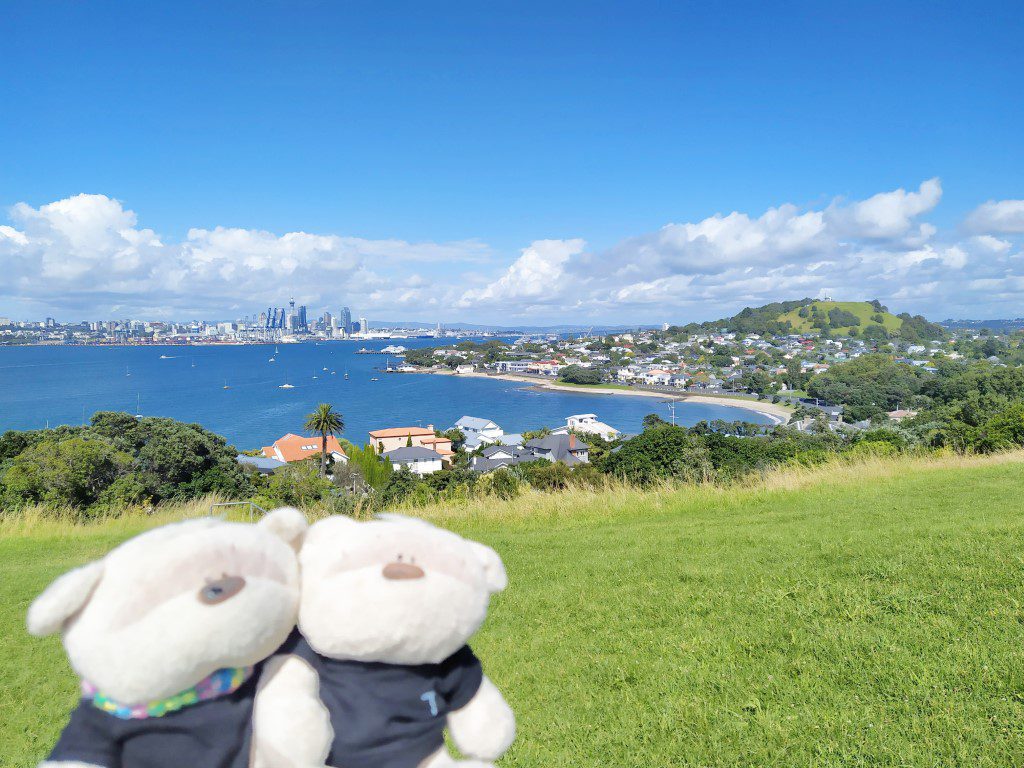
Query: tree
[324, 421]
[575, 374]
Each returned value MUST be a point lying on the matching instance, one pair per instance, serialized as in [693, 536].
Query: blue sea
[47, 386]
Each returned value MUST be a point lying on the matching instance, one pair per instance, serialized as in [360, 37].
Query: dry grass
[579, 503]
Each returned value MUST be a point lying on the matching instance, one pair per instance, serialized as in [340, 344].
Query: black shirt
[390, 715]
[209, 734]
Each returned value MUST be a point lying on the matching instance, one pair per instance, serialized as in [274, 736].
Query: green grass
[590, 386]
[862, 309]
[857, 615]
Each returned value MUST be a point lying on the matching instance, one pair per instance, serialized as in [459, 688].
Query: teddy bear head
[394, 590]
[169, 607]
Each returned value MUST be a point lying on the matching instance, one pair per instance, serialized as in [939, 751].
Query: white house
[467, 368]
[587, 423]
[417, 459]
[478, 431]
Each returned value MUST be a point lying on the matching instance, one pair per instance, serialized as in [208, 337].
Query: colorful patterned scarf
[220, 683]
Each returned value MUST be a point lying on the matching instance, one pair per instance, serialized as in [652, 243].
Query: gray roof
[261, 463]
[512, 450]
[472, 422]
[558, 447]
[412, 453]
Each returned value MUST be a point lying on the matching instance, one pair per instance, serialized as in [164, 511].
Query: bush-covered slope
[857, 615]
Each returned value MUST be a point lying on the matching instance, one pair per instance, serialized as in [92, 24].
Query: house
[478, 431]
[587, 422]
[296, 448]
[417, 459]
[568, 449]
[384, 440]
[901, 414]
[261, 464]
[440, 445]
[513, 366]
[497, 456]
[467, 368]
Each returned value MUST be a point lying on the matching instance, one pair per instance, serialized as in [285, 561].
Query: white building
[587, 423]
[419, 460]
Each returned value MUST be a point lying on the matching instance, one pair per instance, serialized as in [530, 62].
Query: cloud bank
[88, 257]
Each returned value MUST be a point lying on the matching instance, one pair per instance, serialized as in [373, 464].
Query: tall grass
[613, 497]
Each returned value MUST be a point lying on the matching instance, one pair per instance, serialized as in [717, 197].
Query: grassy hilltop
[857, 614]
[862, 310]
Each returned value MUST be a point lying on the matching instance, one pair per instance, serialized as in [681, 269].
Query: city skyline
[472, 165]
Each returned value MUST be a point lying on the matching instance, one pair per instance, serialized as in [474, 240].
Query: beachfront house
[478, 431]
[296, 448]
[384, 440]
[465, 368]
[513, 366]
[568, 449]
[417, 459]
[588, 423]
[497, 456]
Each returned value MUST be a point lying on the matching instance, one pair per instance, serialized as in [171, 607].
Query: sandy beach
[777, 412]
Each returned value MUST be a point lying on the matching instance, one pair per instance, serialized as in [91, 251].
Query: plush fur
[134, 625]
[351, 610]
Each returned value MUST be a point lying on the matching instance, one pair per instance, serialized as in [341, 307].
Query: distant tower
[363, 325]
[346, 320]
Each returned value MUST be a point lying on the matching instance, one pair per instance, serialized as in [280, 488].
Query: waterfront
[42, 386]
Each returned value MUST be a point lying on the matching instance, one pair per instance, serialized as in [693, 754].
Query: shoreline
[777, 413]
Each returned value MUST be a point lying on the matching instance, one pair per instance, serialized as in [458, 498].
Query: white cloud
[88, 256]
[998, 217]
[537, 275]
[87, 253]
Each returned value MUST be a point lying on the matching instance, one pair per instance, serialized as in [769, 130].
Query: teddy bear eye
[222, 589]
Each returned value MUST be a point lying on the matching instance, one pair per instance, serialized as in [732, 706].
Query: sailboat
[286, 385]
[126, 371]
[193, 362]
[225, 385]
[324, 368]
[314, 375]
[346, 373]
[138, 405]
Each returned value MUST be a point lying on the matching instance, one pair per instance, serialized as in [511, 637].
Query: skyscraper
[363, 325]
[346, 320]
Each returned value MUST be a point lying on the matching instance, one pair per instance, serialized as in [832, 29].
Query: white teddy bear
[386, 610]
[167, 633]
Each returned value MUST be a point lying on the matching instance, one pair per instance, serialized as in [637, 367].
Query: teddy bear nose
[402, 571]
[222, 589]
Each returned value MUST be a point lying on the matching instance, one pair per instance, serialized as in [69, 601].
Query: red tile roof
[293, 447]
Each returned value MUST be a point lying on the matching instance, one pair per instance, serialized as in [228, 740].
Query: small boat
[166, 357]
[324, 368]
[374, 379]
[225, 385]
[286, 386]
[126, 371]
[346, 373]
[270, 360]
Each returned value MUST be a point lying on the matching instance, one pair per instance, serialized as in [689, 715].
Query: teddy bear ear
[494, 569]
[288, 524]
[65, 597]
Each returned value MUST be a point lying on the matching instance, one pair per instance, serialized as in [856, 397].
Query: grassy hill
[864, 614]
[863, 310]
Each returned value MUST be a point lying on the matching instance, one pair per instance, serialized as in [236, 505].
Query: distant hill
[867, 319]
[996, 326]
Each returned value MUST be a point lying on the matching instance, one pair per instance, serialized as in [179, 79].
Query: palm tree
[324, 421]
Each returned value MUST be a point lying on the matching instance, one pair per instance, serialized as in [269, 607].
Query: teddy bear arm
[291, 726]
[485, 728]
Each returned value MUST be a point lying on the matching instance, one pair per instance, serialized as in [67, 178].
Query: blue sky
[492, 161]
